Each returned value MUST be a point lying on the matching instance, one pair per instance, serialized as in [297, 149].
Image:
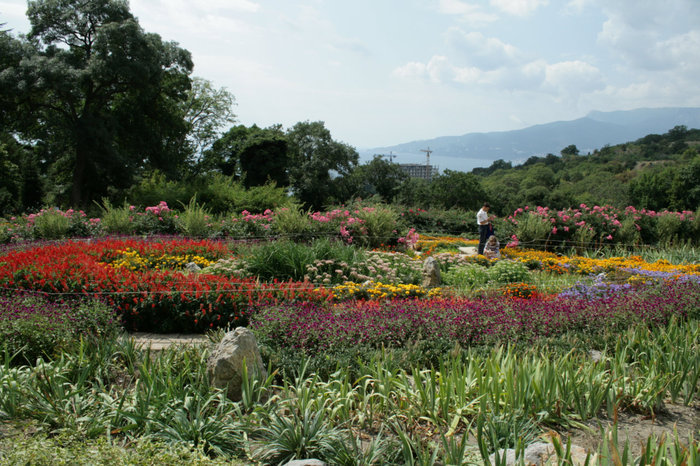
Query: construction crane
[428, 168]
[391, 156]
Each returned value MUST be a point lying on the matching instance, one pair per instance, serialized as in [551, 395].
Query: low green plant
[32, 327]
[467, 276]
[533, 230]
[297, 435]
[116, 220]
[66, 448]
[195, 221]
[51, 224]
[292, 222]
[201, 421]
[379, 224]
[282, 260]
[507, 271]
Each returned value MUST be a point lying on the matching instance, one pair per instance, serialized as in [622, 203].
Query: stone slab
[158, 342]
[468, 250]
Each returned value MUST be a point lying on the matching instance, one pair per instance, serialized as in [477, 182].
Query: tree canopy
[99, 92]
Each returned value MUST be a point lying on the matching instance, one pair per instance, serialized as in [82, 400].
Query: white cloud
[518, 7]
[481, 51]
[573, 78]
[651, 35]
[468, 12]
[412, 71]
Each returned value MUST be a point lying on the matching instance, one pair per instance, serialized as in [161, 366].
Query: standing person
[484, 221]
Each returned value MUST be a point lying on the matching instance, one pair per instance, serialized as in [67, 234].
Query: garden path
[159, 342]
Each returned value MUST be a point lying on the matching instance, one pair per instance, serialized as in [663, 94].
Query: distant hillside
[594, 131]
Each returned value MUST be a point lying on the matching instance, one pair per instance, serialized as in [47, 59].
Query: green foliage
[206, 110]
[155, 187]
[222, 195]
[96, 132]
[312, 156]
[532, 228]
[507, 271]
[51, 224]
[41, 448]
[377, 177]
[194, 221]
[655, 172]
[467, 276]
[117, 220]
[32, 328]
[292, 222]
[436, 220]
[378, 225]
[289, 260]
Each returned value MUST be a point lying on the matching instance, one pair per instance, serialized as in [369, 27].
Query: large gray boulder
[225, 365]
[431, 273]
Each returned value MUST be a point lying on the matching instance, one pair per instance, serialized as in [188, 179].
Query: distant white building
[419, 170]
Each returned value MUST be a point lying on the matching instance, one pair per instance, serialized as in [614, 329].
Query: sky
[384, 72]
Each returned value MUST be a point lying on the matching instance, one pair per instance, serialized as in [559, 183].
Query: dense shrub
[452, 221]
[32, 327]
[598, 226]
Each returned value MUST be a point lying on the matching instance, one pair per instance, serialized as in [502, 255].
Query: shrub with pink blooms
[542, 227]
[362, 225]
[49, 224]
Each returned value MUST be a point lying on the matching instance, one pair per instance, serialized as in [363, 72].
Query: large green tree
[102, 96]
[378, 177]
[206, 111]
[256, 155]
[316, 162]
[457, 189]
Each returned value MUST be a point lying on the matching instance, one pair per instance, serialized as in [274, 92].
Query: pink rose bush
[583, 226]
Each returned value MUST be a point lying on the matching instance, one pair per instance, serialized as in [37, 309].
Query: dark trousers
[483, 236]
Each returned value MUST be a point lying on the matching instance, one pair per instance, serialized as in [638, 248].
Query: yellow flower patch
[378, 290]
[131, 259]
[586, 266]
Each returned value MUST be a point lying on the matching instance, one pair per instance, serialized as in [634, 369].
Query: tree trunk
[81, 156]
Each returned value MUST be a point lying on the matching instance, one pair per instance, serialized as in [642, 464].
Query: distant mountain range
[591, 132]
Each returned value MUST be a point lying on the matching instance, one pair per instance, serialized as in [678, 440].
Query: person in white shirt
[484, 221]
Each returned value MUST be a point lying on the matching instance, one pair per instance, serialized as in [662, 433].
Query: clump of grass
[194, 221]
[117, 220]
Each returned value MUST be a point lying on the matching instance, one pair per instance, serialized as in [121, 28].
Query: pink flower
[609, 237]
[554, 230]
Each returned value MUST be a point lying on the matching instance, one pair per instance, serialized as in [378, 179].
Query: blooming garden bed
[436, 368]
[146, 283]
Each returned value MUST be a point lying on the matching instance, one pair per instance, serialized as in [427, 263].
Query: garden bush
[117, 220]
[507, 271]
[32, 327]
[195, 221]
[467, 276]
[597, 226]
[435, 220]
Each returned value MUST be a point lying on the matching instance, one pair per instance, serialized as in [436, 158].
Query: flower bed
[585, 266]
[314, 327]
[148, 299]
